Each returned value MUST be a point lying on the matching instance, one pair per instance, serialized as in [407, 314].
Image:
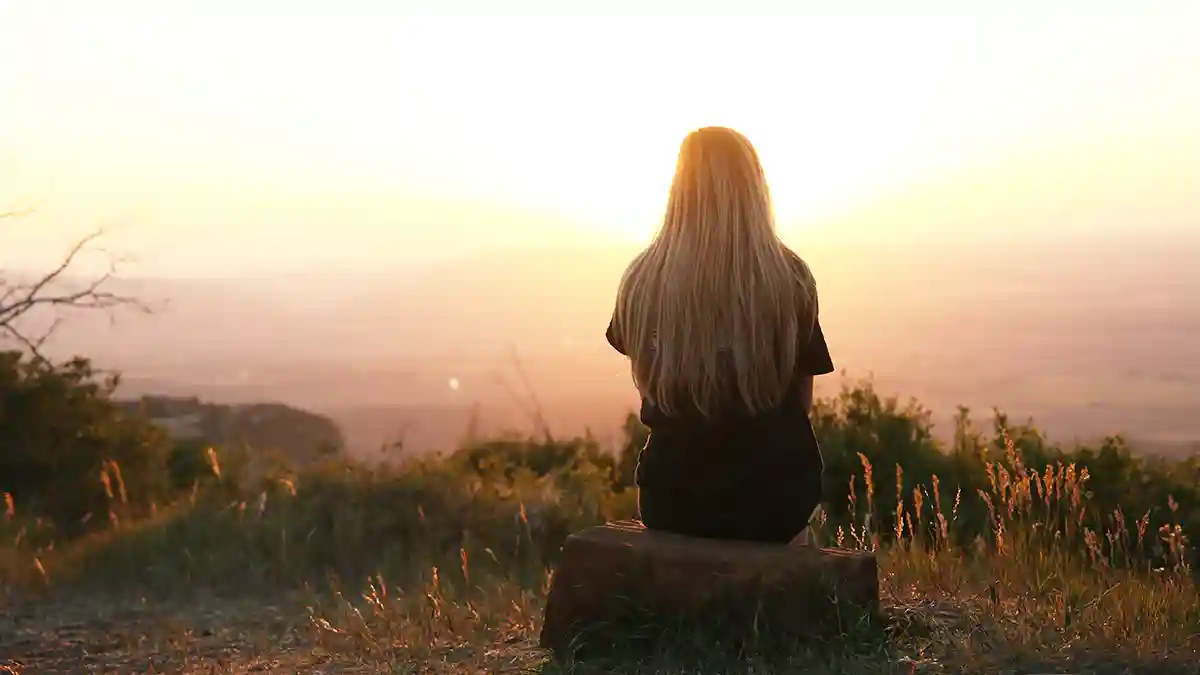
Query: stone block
[620, 575]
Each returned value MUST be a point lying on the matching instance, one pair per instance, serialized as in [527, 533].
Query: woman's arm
[804, 386]
[812, 360]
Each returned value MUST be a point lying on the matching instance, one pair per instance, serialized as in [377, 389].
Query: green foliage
[995, 548]
[859, 428]
[67, 452]
[188, 464]
[885, 471]
[507, 456]
[74, 457]
[1120, 487]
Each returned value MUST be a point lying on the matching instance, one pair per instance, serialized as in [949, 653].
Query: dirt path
[133, 635]
[207, 635]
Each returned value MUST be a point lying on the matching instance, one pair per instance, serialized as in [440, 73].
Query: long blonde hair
[717, 308]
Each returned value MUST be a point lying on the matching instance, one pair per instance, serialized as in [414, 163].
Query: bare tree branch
[28, 210]
[19, 299]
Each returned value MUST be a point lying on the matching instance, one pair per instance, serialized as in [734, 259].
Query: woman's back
[719, 320]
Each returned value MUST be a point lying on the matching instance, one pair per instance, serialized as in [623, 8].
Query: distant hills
[297, 434]
[1089, 334]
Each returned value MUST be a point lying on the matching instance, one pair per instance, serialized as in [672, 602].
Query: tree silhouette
[53, 290]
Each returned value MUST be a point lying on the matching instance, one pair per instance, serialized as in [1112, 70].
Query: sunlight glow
[350, 133]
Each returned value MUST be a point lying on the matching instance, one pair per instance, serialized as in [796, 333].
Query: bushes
[995, 549]
[67, 451]
[858, 428]
[505, 456]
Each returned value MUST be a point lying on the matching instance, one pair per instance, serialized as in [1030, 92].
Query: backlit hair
[716, 309]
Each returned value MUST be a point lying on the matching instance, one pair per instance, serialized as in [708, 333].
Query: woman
[719, 320]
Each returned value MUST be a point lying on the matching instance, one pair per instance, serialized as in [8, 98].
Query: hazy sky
[245, 135]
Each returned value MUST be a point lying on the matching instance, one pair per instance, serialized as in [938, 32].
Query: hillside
[298, 435]
[997, 553]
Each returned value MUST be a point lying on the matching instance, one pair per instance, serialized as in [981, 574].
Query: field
[990, 562]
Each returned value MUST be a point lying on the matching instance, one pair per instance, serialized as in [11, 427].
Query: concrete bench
[613, 574]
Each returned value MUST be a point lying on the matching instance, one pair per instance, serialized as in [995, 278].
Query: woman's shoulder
[805, 281]
[803, 271]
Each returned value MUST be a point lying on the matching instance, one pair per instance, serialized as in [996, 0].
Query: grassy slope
[425, 569]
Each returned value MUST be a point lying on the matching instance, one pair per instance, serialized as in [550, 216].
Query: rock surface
[615, 574]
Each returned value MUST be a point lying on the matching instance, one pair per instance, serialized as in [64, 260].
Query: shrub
[68, 453]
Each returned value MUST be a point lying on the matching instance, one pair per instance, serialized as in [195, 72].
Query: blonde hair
[716, 306]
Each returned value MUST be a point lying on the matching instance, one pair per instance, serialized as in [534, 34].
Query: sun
[613, 183]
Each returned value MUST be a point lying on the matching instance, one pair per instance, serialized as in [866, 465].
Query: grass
[426, 568]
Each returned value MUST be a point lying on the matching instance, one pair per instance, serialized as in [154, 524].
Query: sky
[250, 137]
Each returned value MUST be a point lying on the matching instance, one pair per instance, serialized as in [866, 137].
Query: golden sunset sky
[247, 136]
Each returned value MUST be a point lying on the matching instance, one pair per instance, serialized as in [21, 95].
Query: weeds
[442, 566]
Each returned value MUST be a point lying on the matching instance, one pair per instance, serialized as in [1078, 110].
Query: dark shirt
[735, 451]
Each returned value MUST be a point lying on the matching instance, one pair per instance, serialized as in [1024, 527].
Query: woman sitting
[719, 320]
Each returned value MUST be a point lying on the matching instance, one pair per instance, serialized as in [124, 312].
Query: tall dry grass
[433, 563]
